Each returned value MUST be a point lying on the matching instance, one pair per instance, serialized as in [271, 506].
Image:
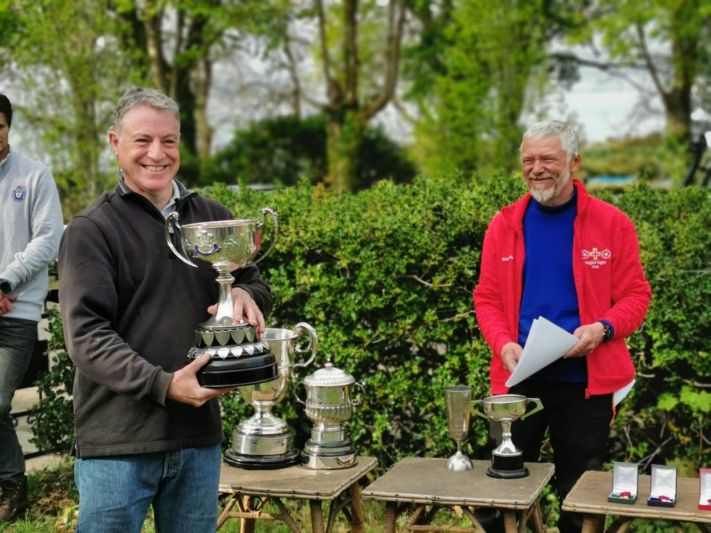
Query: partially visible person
[30, 228]
[147, 433]
[562, 254]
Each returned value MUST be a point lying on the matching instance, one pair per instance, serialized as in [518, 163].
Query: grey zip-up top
[130, 308]
[30, 228]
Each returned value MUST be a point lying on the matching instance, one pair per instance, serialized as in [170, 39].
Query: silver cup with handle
[265, 440]
[238, 357]
[506, 459]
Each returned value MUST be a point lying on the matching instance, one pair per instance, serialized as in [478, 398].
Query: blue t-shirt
[548, 284]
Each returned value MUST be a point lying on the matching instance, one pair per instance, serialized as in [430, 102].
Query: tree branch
[651, 68]
[396, 23]
[332, 89]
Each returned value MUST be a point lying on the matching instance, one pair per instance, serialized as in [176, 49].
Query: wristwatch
[5, 286]
[608, 330]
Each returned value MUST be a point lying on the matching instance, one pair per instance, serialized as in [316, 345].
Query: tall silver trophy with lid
[329, 406]
[264, 440]
[238, 357]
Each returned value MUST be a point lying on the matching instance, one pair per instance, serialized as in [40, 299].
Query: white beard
[544, 196]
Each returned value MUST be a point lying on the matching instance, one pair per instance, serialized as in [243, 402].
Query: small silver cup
[458, 413]
[506, 459]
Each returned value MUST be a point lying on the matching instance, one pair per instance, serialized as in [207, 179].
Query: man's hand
[6, 302]
[244, 308]
[590, 335]
[185, 387]
[510, 354]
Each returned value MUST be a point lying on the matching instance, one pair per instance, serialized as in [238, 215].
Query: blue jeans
[17, 342]
[182, 486]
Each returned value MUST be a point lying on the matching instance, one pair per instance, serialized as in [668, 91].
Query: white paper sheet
[620, 394]
[546, 342]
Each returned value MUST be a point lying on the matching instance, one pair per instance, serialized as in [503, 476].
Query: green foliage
[52, 418]
[385, 276]
[667, 414]
[481, 85]
[281, 150]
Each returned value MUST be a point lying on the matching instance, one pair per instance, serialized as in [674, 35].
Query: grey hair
[567, 133]
[140, 96]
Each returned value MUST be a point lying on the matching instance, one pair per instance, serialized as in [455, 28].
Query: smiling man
[147, 433]
[562, 254]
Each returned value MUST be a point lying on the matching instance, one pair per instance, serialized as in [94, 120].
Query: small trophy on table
[458, 414]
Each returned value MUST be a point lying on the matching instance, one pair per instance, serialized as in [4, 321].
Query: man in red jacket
[559, 253]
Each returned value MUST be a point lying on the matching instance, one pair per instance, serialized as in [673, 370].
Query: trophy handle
[297, 397]
[539, 406]
[358, 401]
[476, 411]
[270, 212]
[172, 222]
[303, 327]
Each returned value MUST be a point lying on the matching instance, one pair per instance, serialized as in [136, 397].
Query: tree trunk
[345, 136]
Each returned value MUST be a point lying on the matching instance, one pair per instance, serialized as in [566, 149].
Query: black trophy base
[233, 372]
[507, 467]
[262, 462]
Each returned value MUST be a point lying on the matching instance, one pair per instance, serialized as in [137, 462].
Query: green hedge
[386, 275]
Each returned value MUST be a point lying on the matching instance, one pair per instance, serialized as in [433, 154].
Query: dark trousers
[578, 430]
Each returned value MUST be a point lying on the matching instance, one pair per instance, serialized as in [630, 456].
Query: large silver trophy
[506, 459]
[458, 414]
[238, 357]
[264, 440]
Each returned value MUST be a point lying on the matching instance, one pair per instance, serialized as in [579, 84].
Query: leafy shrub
[386, 275]
[283, 149]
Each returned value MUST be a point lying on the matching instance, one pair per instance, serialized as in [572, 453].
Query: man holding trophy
[564, 255]
[147, 432]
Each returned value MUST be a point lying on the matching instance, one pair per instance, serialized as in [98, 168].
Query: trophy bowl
[223, 245]
[504, 407]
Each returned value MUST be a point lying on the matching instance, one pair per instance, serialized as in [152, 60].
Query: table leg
[358, 517]
[227, 511]
[593, 523]
[316, 516]
[390, 516]
[536, 517]
[510, 521]
[246, 525]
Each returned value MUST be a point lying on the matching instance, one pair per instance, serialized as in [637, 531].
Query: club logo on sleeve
[596, 258]
[19, 193]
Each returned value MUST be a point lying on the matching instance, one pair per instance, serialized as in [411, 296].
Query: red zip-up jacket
[609, 282]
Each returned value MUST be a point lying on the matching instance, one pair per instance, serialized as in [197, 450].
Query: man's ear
[113, 142]
[575, 164]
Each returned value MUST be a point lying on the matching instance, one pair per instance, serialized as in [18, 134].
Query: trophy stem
[506, 430]
[224, 314]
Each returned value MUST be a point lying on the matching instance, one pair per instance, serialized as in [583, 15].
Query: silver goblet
[458, 413]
